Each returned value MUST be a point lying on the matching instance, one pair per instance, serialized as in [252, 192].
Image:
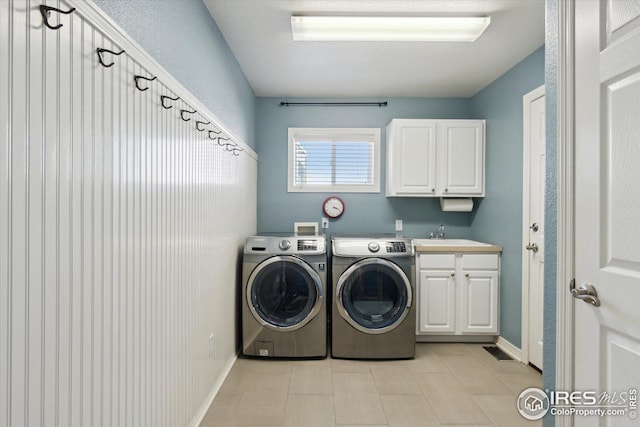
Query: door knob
[586, 292]
[532, 247]
[534, 226]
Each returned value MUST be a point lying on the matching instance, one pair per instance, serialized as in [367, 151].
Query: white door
[533, 227]
[607, 201]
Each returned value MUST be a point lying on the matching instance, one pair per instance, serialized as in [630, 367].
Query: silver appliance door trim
[307, 269]
[351, 270]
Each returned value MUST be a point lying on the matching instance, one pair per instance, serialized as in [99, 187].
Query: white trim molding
[510, 349]
[565, 197]
[206, 404]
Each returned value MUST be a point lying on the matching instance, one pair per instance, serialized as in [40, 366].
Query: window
[334, 159]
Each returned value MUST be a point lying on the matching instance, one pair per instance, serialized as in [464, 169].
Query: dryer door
[284, 293]
[374, 295]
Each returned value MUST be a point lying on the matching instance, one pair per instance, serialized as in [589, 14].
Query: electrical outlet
[325, 222]
[398, 225]
[211, 348]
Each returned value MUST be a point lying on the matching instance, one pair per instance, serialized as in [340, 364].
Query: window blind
[335, 159]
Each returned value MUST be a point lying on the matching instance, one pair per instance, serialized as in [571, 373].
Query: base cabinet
[458, 294]
[437, 300]
[479, 297]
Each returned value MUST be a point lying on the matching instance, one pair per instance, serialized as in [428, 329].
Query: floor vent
[497, 353]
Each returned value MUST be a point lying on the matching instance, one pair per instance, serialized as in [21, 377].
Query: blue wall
[184, 39]
[498, 218]
[364, 213]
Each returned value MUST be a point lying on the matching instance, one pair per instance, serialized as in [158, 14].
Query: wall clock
[333, 207]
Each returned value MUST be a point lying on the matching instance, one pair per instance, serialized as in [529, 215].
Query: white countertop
[453, 245]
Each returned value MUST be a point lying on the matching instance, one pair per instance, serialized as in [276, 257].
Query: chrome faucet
[439, 234]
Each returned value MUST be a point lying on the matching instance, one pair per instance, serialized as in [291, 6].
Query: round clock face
[333, 207]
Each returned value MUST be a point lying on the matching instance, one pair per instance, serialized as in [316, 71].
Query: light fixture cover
[389, 28]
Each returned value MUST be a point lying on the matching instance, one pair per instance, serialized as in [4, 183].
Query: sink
[448, 242]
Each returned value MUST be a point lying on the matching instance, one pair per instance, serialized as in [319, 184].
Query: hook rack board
[145, 71]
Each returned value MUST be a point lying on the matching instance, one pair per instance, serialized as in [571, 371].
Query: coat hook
[230, 144]
[101, 58]
[222, 139]
[201, 123]
[163, 97]
[186, 111]
[46, 11]
[136, 78]
[236, 151]
[213, 131]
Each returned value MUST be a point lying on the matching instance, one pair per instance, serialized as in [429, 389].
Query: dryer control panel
[277, 245]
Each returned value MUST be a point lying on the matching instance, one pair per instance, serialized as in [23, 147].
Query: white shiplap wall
[120, 231]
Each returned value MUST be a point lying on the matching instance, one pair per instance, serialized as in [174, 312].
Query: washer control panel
[307, 245]
[373, 246]
[396, 247]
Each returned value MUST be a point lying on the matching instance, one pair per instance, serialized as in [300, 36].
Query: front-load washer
[284, 296]
[373, 290]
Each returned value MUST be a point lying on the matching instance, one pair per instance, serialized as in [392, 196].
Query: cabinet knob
[453, 274]
[433, 190]
[446, 190]
[466, 275]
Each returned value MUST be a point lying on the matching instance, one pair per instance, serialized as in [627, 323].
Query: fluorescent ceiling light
[388, 28]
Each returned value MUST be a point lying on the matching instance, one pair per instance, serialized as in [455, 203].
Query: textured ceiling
[259, 34]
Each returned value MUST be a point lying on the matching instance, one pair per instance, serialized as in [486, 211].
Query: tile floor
[445, 385]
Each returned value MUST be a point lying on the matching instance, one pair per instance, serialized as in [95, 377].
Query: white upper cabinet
[461, 157]
[435, 158]
[411, 157]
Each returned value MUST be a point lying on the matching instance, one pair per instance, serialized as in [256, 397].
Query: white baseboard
[456, 338]
[509, 348]
[202, 411]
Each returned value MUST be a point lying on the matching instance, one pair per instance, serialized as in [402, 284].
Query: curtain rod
[335, 104]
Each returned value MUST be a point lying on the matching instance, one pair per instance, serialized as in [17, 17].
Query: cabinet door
[436, 310]
[461, 154]
[412, 148]
[479, 297]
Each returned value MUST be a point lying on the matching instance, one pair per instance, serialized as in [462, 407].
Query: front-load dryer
[284, 296]
[373, 309]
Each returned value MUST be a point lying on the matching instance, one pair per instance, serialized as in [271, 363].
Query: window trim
[337, 188]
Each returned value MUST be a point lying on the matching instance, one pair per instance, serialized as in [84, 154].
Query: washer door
[284, 293]
[374, 295]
